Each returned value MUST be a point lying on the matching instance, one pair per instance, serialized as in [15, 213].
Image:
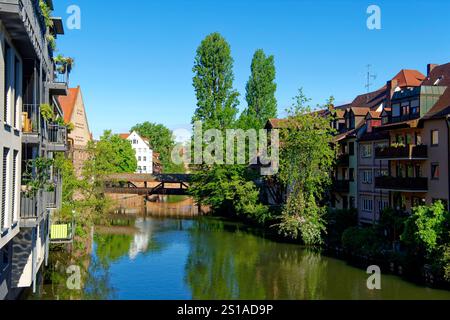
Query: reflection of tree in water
[239, 265]
[97, 286]
[111, 247]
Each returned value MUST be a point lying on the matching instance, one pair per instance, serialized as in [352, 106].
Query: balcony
[31, 206]
[408, 152]
[341, 186]
[53, 198]
[24, 20]
[343, 160]
[402, 184]
[60, 84]
[57, 138]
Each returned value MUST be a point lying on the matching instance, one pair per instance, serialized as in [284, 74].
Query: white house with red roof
[144, 153]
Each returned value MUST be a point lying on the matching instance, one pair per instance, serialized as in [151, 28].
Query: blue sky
[134, 59]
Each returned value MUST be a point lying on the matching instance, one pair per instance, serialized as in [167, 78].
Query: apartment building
[75, 114]
[144, 154]
[28, 81]
[418, 150]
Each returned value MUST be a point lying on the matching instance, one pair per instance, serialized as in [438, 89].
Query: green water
[208, 258]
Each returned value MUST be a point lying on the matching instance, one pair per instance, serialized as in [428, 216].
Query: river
[211, 258]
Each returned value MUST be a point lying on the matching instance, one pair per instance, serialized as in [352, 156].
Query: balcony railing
[31, 206]
[405, 117]
[411, 152]
[343, 160]
[30, 118]
[402, 184]
[342, 186]
[57, 137]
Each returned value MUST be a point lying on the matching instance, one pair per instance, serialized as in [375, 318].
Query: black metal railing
[402, 152]
[57, 134]
[341, 186]
[397, 183]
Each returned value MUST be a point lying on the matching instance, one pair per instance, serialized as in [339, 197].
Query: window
[145, 158]
[145, 168]
[367, 204]
[17, 89]
[396, 110]
[352, 203]
[415, 107]
[4, 188]
[14, 182]
[351, 147]
[366, 151]
[382, 205]
[139, 158]
[435, 172]
[435, 138]
[345, 203]
[381, 173]
[352, 174]
[6, 108]
[344, 174]
[367, 177]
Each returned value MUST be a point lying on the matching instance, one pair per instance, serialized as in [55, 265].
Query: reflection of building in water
[141, 239]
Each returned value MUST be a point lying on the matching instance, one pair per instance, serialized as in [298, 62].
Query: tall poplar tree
[261, 88]
[213, 82]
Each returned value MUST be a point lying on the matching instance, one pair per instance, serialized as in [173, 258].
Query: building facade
[80, 135]
[29, 83]
[144, 154]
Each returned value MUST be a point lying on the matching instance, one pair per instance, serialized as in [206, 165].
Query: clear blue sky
[134, 58]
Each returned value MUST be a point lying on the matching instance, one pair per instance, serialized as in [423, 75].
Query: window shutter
[4, 178]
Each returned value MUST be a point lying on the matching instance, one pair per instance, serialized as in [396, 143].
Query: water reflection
[208, 258]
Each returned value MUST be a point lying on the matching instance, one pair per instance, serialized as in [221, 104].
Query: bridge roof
[134, 177]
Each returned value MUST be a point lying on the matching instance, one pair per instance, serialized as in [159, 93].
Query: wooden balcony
[341, 186]
[402, 184]
[408, 152]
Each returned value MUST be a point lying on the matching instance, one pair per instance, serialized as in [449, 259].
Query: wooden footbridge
[147, 184]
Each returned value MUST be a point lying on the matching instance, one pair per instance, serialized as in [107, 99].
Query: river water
[210, 258]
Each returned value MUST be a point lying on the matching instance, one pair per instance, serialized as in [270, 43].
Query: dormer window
[415, 107]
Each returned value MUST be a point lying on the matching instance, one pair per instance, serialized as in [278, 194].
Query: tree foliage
[261, 88]
[213, 82]
[306, 156]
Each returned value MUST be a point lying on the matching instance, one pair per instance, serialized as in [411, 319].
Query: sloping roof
[276, 123]
[361, 112]
[409, 78]
[124, 135]
[370, 100]
[442, 107]
[68, 103]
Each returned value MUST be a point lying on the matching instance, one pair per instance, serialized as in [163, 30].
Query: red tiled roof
[124, 135]
[409, 78]
[439, 72]
[68, 103]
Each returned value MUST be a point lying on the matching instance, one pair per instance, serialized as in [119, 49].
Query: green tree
[161, 141]
[112, 154]
[306, 156]
[213, 82]
[261, 88]
[427, 227]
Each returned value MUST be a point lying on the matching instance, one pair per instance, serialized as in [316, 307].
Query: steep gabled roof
[68, 103]
[441, 72]
[409, 78]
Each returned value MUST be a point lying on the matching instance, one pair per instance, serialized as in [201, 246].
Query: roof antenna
[370, 77]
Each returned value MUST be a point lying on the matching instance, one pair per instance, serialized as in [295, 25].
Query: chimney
[430, 68]
[391, 86]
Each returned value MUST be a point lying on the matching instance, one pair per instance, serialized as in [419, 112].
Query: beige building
[75, 113]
